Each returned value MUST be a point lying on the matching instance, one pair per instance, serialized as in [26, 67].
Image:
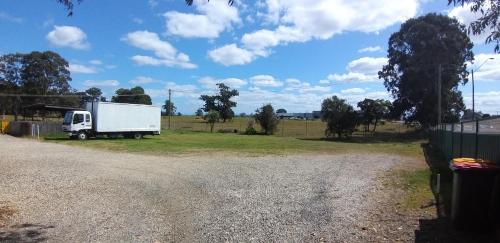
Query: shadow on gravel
[440, 229]
[24, 233]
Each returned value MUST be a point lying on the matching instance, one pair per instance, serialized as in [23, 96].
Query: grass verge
[186, 141]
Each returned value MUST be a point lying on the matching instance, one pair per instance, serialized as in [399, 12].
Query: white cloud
[214, 18]
[370, 49]
[165, 53]
[353, 91]
[465, 16]
[295, 85]
[68, 36]
[178, 90]
[211, 83]
[80, 68]
[364, 69]
[490, 71]
[229, 55]
[7, 17]
[101, 83]
[486, 102]
[143, 80]
[301, 21]
[96, 62]
[265, 81]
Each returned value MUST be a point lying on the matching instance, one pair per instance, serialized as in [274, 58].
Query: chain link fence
[474, 139]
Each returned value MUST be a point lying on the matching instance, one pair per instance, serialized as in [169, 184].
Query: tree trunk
[375, 125]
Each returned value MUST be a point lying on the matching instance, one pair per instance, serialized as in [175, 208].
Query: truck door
[88, 121]
[78, 122]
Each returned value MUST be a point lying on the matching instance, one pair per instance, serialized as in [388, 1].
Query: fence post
[476, 142]
[461, 138]
[452, 135]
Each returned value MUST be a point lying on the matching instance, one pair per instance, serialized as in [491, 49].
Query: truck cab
[77, 124]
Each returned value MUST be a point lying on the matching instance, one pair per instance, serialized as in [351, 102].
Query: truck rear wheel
[137, 135]
[82, 136]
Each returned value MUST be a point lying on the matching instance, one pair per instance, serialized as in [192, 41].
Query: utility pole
[169, 106]
[439, 93]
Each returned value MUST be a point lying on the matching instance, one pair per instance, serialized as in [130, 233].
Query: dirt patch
[7, 210]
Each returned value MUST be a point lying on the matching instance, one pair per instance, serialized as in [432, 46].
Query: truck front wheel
[82, 136]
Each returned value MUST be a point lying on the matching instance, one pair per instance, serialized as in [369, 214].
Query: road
[72, 194]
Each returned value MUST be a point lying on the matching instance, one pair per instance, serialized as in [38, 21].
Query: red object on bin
[473, 164]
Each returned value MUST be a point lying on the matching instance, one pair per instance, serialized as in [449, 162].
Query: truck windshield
[68, 117]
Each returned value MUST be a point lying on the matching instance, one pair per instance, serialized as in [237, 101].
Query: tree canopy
[371, 111]
[411, 76]
[169, 107]
[221, 102]
[281, 110]
[490, 13]
[339, 116]
[267, 119]
[134, 95]
[38, 77]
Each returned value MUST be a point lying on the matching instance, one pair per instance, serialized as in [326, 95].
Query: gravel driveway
[72, 194]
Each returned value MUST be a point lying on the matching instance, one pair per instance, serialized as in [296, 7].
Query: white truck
[112, 120]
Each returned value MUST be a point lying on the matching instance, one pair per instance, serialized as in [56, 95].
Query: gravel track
[72, 194]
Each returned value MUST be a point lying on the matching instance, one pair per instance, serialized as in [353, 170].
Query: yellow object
[4, 124]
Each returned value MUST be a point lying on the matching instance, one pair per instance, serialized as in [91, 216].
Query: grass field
[182, 141]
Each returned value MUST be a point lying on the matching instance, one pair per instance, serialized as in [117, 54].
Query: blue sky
[292, 54]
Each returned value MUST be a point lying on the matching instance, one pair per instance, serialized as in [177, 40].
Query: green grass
[186, 141]
[416, 184]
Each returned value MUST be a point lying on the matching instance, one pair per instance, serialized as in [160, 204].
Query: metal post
[476, 142]
[473, 103]
[306, 126]
[169, 106]
[461, 139]
[283, 127]
[452, 135]
[439, 93]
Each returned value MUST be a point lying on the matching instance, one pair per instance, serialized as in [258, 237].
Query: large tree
[10, 83]
[134, 95]
[169, 107]
[488, 21]
[267, 119]
[221, 102]
[372, 111]
[339, 116]
[416, 53]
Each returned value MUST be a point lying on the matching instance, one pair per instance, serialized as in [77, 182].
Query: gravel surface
[74, 194]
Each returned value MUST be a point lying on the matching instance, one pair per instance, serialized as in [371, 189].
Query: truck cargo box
[120, 117]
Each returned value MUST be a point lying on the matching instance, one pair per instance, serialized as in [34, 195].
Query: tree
[10, 82]
[243, 114]
[169, 107]
[134, 95]
[339, 116]
[221, 102]
[267, 119]
[199, 112]
[490, 13]
[415, 53]
[179, 114]
[45, 77]
[281, 110]
[212, 117]
[94, 93]
[371, 111]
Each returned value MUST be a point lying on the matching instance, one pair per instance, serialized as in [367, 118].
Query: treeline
[44, 78]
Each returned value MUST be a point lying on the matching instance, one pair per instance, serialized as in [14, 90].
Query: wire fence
[474, 139]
